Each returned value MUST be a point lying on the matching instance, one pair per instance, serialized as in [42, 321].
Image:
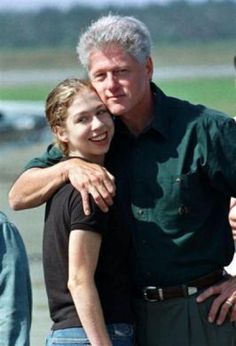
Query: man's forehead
[109, 57]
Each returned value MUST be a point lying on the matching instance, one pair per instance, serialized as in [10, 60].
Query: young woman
[85, 258]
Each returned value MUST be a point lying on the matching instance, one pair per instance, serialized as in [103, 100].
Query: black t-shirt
[64, 213]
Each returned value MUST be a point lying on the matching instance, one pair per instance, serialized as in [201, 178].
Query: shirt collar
[161, 119]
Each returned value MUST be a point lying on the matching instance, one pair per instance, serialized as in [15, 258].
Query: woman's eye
[82, 120]
[102, 111]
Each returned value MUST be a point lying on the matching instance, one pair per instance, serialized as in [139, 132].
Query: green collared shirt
[178, 176]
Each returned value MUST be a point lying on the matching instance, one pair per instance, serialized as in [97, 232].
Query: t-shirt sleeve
[52, 156]
[97, 221]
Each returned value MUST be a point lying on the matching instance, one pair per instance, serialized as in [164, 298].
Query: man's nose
[111, 81]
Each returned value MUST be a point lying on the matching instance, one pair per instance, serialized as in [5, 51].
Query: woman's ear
[61, 133]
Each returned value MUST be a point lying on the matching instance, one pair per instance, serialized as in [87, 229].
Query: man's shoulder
[197, 113]
[211, 117]
[175, 108]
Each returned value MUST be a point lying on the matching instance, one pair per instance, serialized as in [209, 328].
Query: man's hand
[225, 302]
[89, 178]
[36, 185]
[232, 216]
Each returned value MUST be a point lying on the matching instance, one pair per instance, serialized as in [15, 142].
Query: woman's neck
[98, 159]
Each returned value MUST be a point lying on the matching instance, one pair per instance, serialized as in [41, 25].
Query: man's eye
[121, 71]
[99, 76]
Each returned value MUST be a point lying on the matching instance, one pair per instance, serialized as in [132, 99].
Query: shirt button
[140, 212]
[183, 210]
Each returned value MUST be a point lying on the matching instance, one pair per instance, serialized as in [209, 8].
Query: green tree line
[174, 22]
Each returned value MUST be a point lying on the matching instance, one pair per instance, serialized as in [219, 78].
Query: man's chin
[117, 110]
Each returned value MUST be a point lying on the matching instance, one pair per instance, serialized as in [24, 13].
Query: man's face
[121, 82]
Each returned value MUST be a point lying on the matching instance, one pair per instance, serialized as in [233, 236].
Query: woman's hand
[225, 302]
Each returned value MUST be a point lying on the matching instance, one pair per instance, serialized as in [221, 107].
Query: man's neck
[137, 126]
[139, 119]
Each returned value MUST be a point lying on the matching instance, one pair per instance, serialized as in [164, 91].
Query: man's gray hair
[128, 32]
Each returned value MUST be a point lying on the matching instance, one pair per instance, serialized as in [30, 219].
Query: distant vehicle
[21, 121]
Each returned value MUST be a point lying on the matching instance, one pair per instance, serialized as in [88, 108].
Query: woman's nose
[96, 123]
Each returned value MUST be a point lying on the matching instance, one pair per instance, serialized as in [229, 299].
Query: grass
[25, 92]
[195, 53]
[218, 93]
[41, 58]
[165, 54]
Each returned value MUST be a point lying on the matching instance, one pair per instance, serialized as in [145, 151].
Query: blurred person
[232, 213]
[232, 216]
[15, 287]
[176, 164]
[85, 257]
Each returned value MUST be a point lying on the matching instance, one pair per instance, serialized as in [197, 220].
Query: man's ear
[61, 133]
[149, 67]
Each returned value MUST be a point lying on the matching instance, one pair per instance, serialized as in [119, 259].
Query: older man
[176, 164]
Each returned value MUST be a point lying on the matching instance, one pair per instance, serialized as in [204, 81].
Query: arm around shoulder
[36, 185]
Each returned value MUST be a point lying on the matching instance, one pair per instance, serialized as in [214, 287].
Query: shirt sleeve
[218, 143]
[52, 156]
[97, 221]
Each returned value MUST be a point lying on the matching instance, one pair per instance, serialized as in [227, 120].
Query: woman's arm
[36, 185]
[232, 216]
[84, 249]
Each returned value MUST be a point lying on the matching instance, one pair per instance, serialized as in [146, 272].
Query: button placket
[183, 210]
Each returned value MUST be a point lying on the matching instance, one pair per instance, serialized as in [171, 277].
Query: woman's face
[88, 128]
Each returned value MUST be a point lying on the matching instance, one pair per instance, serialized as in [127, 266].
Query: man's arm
[84, 249]
[36, 185]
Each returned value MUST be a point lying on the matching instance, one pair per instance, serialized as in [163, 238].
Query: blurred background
[194, 44]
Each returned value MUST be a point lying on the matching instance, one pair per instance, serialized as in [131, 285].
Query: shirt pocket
[184, 203]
